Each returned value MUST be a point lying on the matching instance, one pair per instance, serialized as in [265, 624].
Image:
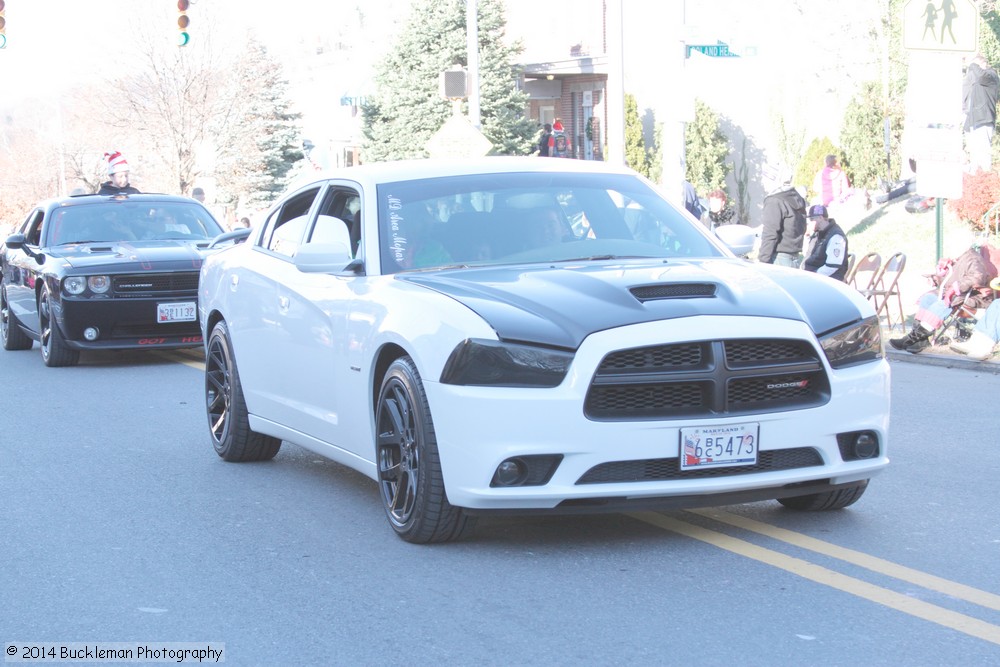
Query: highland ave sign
[952, 25]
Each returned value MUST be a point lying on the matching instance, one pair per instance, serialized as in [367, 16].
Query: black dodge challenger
[96, 272]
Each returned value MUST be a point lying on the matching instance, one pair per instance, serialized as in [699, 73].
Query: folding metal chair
[865, 271]
[884, 286]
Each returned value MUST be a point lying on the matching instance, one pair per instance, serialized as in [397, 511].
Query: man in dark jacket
[783, 222]
[827, 253]
[979, 102]
[118, 171]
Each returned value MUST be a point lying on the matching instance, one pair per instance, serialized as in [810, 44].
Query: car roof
[401, 170]
[90, 199]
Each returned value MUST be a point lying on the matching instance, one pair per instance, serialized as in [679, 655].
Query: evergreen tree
[635, 146]
[706, 150]
[263, 138]
[407, 107]
[863, 137]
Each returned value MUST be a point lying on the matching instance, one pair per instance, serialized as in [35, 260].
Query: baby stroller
[957, 326]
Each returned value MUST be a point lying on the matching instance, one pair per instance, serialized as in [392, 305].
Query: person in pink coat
[831, 185]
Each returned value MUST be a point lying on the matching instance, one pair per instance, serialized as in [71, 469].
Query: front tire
[830, 500]
[228, 418]
[410, 481]
[55, 352]
[10, 330]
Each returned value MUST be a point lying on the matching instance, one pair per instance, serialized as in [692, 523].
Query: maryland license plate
[719, 446]
[184, 311]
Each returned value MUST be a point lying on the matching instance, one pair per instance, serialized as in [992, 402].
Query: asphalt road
[120, 524]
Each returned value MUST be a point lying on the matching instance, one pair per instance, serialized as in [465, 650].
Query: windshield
[490, 219]
[130, 221]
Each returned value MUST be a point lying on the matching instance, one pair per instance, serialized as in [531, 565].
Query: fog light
[91, 333]
[510, 473]
[865, 446]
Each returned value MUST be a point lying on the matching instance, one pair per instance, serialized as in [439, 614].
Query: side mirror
[740, 239]
[236, 236]
[324, 258]
[20, 242]
[15, 241]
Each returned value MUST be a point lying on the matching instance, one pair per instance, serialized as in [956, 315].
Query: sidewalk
[939, 355]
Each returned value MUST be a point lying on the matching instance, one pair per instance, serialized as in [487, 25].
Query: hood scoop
[673, 291]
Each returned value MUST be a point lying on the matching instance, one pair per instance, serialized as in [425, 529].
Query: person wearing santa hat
[118, 171]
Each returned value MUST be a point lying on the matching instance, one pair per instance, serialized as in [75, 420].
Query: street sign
[951, 26]
[718, 50]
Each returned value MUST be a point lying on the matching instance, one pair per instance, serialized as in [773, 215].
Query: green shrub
[814, 160]
[706, 151]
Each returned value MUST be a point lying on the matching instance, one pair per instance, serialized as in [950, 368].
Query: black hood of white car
[561, 304]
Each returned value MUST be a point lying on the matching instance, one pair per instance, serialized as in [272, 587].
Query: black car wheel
[831, 500]
[228, 419]
[10, 330]
[55, 352]
[409, 470]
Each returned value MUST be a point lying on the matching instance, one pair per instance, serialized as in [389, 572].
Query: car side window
[287, 225]
[343, 203]
[32, 228]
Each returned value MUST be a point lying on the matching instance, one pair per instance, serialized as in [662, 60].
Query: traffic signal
[182, 22]
[3, 26]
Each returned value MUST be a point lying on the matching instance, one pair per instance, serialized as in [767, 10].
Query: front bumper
[479, 427]
[123, 323]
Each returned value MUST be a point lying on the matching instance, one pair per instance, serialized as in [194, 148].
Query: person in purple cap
[827, 254]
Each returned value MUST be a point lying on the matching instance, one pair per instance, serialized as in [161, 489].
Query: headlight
[99, 284]
[490, 363]
[75, 284]
[856, 344]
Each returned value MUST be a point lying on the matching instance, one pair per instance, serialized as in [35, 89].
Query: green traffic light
[3, 41]
[183, 38]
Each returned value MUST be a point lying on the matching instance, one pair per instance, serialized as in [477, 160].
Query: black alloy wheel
[10, 331]
[228, 418]
[55, 352]
[410, 481]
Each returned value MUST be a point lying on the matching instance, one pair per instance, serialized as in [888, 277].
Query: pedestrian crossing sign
[941, 25]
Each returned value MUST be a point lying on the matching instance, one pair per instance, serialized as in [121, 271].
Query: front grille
[658, 470]
[154, 330]
[156, 284]
[707, 378]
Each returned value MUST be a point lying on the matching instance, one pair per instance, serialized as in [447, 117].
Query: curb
[945, 361]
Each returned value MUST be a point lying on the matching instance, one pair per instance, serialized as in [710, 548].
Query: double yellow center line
[822, 575]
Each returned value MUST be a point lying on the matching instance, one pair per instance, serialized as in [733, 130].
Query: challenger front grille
[658, 470]
[156, 284]
[707, 378]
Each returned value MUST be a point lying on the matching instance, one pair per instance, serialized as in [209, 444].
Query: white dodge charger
[535, 335]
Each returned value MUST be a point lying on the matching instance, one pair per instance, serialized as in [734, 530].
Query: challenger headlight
[75, 285]
[98, 284]
[491, 363]
[856, 344]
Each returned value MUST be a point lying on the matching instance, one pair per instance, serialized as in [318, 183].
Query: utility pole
[472, 44]
[616, 83]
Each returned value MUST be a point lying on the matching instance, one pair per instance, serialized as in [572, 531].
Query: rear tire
[10, 330]
[55, 352]
[410, 481]
[228, 419]
[831, 500]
